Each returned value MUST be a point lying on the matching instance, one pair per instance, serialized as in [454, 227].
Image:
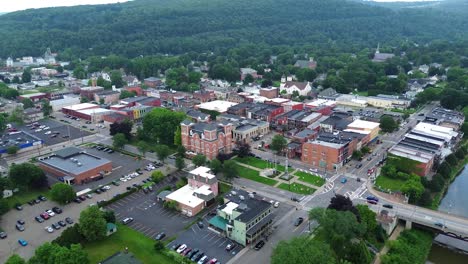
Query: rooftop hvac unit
[79, 164]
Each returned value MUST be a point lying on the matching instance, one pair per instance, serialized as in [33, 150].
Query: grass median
[261, 164]
[254, 175]
[297, 188]
[310, 178]
[141, 246]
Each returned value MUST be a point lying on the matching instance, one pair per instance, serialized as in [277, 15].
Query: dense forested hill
[145, 27]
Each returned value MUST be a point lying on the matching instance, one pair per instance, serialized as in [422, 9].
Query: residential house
[303, 88]
[152, 82]
[248, 71]
[306, 64]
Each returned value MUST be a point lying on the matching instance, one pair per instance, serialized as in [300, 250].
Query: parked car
[56, 226]
[50, 213]
[371, 201]
[440, 225]
[197, 256]
[160, 236]
[203, 260]
[77, 200]
[389, 206]
[45, 216]
[175, 246]
[69, 220]
[89, 196]
[294, 199]
[49, 229]
[276, 204]
[200, 224]
[21, 222]
[213, 261]
[371, 197]
[298, 221]
[181, 248]
[18, 207]
[230, 246]
[23, 242]
[193, 253]
[259, 245]
[39, 219]
[127, 220]
[20, 227]
[62, 223]
[57, 210]
[3, 235]
[186, 251]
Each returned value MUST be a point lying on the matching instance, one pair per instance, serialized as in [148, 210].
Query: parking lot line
[211, 238]
[217, 240]
[152, 233]
[194, 230]
[225, 240]
[206, 235]
[145, 229]
[120, 203]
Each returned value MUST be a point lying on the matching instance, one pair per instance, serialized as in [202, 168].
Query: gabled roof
[299, 85]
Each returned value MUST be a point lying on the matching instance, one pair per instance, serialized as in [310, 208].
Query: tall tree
[124, 127]
[163, 152]
[216, 166]
[15, 259]
[62, 193]
[178, 137]
[26, 76]
[27, 175]
[180, 163]
[160, 125]
[303, 250]
[27, 103]
[387, 124]
[46, 107]
[278, 144]
[199, 160]
[143, 147]
[3, 123]
[92, 223]
[243, 149]
[116, 79]
[230, 169]
[119, 140]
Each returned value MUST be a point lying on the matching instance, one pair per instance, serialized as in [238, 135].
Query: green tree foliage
[126, 94]
[26, 76]
[116, 79]
[444, 170]
[8, 93]
[460, 154]
[302, 250]
[27, 103]
[278, 144]
[368, 218]
[27, 175]
[143, 147]
[163, 152]
[71, 235]
[15, 259]
[92, 223]
[358, 253]
[124, 127]
[182, 80]
[180, 163]
[160, 125]
[62, 193]
[412, 246]
[216, 166]
[11, 150]
[248, 79]
[119, 140]
[158, 246]
[17, 115]
[79, 72]
[178, 137]
[46, 107]
[50, 253]
[3, 123]
[157, 176]
[109, 216]
[172, 205]
[243, 149]
[230, 170]
[199, 160]
[4, 206]
[387, 124]
[451, 160]
[413, 188]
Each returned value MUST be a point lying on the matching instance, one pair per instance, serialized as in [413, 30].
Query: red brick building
[152, 82]
[208, 139]
[75, 163]
[271, 92]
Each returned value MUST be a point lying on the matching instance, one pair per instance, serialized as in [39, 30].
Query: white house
[303, 88]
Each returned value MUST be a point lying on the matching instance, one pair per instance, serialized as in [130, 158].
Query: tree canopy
[62, 193]
[27, 175]
[160, 125]
[302, 250]
[92, 223]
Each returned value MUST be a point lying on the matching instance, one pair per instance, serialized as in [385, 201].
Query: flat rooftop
[203, 172]
[72, 162]
[185, 196]
[217, 105]
[94, 111]
[80, 106]
[435, 131]
[409, 153]
[362, 124]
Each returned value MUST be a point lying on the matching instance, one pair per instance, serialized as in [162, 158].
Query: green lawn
[259, 163]
[297, 188]
[386, 183]
[254, 175]
[140, 245]
[309, 178]
[224, 187]
[25, 196]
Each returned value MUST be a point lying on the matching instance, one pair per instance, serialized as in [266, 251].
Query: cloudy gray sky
[14, 5]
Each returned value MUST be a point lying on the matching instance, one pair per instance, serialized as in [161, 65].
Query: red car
[372, 201]
[45, 216]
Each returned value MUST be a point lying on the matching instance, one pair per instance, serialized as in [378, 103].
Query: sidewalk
[395, 234]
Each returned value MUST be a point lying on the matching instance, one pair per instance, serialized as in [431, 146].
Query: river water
[455, 202]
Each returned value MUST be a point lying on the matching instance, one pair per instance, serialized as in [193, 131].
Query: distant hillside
[177, 26]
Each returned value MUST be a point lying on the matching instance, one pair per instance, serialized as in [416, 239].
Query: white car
[50, 213]
[48, 133]
[49, 229]
[276, 205]
[123, 179]
[38, 130]
[46, 128]
[107, 187]
[181, 248]
[42, 126]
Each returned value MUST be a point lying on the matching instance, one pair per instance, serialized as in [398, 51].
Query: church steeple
[378, 48]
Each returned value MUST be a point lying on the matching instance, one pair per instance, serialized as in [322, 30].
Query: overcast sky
[14, 5]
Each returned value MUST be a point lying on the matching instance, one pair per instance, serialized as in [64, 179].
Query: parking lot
[65, 132]
[150, 217]
[121, 165]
